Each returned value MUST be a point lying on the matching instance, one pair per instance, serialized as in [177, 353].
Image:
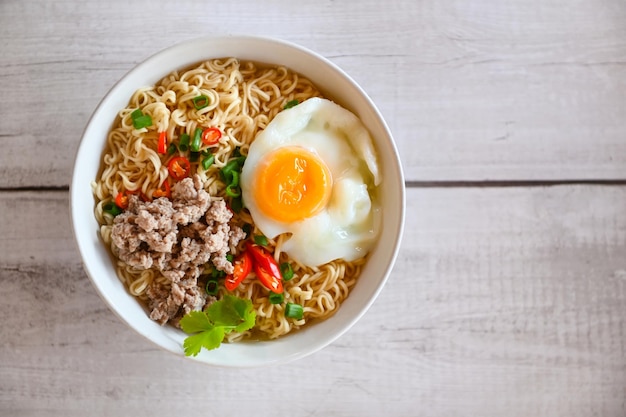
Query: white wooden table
[509, 295]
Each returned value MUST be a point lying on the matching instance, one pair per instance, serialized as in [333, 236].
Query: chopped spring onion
[286, 270]
[230, 258]
[212, 287]
[233, 191]
[260, 240]
[136, 113]
[236, 204]
[291, 103]
[200, 102]
[197, 140]
[234, 165]
[207, 162]
[184, 142]
[111, 208]
[294, 311]
[276, 298]
[172, 149]
[142, 121]
[234, 180]
[217, 274]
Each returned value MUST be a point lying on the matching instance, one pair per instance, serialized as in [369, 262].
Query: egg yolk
[292, 184]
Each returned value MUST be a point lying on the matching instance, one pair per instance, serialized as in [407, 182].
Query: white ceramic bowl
[336, 85]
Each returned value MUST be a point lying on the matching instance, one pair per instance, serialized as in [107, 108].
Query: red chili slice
[121, 200]
[243, 266]
[163, 190]
[211, 135]
[269, 280]
[264, 259]
[179, 167]
[162, 144]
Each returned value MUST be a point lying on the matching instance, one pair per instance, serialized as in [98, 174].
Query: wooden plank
[473, 91]
[504, 301]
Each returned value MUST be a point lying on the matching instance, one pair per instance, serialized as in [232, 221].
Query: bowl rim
[81, 239]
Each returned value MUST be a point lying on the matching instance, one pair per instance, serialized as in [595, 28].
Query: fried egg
[313, 173]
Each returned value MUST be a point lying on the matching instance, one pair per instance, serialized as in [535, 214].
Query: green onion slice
[234, 165]
[197, 140]
[142, 121]
[276, 298]
[217, 274]
[233, 191]
[236, 204]
[260, 240]
[294, 311]
[207, 162]
[286, 271]
[184, 142]
[136, 114]
[212, 287]
[111, 208]
[291, 103]
[200, 102]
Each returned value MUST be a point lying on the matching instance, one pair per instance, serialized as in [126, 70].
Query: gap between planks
[419, 184]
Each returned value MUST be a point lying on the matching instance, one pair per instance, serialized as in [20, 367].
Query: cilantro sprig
[208, 328]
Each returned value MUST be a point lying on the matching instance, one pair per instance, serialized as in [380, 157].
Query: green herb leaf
[195, 321]
[209, 339]
[223, 316]
[223, 312]
[246, 310]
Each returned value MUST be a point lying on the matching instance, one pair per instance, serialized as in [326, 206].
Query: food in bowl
[237, 201]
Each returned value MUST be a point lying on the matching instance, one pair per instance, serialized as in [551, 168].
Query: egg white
[349, 224]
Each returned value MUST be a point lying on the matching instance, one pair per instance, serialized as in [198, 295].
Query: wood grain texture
[504, 301]
[473, 91]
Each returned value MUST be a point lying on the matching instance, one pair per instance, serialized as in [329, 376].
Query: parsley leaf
[208, 328]
[195, 321]
[246, 311]
[208, 339]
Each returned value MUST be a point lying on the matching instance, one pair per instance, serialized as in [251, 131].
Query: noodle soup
[187, 144]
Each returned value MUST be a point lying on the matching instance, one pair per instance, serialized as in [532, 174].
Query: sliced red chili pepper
[162, 144]
[179, 167]
[243, 266]
[269, 280]
[266, 262]
[121, 200]
[163, 191]
[263, 258]
[211, 135]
